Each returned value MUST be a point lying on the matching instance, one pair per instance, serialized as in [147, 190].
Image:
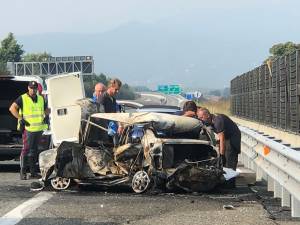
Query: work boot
[230, 184]
[23, 175]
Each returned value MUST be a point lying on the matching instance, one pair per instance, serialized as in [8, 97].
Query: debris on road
[228, 207]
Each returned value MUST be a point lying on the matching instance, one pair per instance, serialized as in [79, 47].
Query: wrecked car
[155, 150]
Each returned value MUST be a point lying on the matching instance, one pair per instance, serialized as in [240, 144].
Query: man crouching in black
[229, 136]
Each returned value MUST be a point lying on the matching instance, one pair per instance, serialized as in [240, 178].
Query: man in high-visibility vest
[32, 114]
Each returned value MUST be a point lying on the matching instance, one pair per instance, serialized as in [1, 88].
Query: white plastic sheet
[230, 173]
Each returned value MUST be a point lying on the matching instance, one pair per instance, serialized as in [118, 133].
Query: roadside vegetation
[282, 49]
[126, 92]
[220, 106]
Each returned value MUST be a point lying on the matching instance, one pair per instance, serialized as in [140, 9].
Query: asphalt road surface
[95, 205]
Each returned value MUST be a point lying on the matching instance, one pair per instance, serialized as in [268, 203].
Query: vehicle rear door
[65, 117]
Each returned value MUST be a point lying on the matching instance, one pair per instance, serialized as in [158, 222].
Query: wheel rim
[60, 183]
[140, 182]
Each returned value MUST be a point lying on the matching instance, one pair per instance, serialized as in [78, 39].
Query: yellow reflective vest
[33, 113]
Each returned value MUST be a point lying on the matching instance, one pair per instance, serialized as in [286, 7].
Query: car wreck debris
[155, 150]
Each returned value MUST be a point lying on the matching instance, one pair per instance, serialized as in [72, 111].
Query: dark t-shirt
[19, 101]
[222, 123]
[109, 103]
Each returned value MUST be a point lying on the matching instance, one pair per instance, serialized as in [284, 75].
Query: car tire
[60, 183]
[141, 182]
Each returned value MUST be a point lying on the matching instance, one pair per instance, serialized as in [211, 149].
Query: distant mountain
[196, 50]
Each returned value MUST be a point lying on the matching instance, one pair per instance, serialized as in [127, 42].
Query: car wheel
[60, 183]
[140, 182]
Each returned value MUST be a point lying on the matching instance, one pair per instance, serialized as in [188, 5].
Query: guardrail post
[259, 174]
[285, 197]
[295, 207]
[277, 190]
[270, 184]
[248, 163]
[244, 160]
[254, 166]
[241, 158]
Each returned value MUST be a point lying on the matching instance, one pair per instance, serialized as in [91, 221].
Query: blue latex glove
[112, 128]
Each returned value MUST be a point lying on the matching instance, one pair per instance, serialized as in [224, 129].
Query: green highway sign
[169, 89]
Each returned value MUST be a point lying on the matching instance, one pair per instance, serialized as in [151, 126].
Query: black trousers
[29, 154]
[231, 155]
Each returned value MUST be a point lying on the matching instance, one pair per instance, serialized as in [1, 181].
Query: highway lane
[96, 205]
[13, 191]
[155, 98]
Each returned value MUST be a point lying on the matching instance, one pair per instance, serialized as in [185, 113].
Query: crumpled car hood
[160, 121]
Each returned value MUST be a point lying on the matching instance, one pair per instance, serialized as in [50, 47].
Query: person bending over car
[229, 136]
[31, 111]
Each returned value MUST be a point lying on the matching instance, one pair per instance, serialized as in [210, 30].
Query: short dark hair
[189, 106]
[115, 82]
[205, 110]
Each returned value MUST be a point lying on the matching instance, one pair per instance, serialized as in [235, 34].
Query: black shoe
[229, 184]
[35, 176]
[36, 186]
[23, 176]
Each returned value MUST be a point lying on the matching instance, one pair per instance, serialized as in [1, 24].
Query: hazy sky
[190, 38]
[89, 16]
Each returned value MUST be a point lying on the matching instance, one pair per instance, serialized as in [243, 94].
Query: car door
[65, 116]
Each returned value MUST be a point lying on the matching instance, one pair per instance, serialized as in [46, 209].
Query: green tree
[282, 49]
[126, 92]
[10, 50]
[90, 81]
[141, 88]
[3, 70]
[36, 57]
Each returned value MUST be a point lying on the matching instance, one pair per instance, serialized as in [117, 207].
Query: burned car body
[155, 150]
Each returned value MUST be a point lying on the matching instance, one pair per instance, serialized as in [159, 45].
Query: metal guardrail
[276, 163]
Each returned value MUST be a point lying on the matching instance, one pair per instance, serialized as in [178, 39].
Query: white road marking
[20, 212]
